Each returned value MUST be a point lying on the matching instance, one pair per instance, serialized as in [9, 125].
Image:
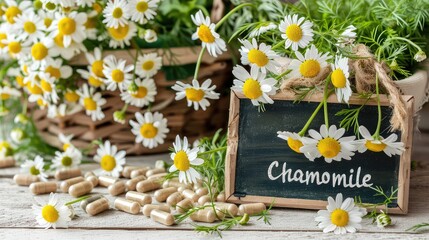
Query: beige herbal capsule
[184, 187]
[117, 188]
[80, 189]
[132, 183]
[174, 198]
[106, 181]
[93, 180]
[148, 208]
[154, 171]
[205, 215]
[65, 185]
[127, 206]
[139, 172]
[25, 179]
[162, 217]
[43, 187]
[126, 173]
[162, 194]
[158, 176]
[184, 205]
[89, 200]
[7, 162]
[191, 195]
[251, 208]
[202, 191]
[204, 199]
[147, 186]
[67, 173]
[198, 185]
[141, 198]
[230, 208]
[220, 197]
[88, 174]
[98, 206]
[159, 164]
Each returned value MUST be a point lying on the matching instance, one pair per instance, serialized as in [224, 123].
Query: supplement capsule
[93, 180]
[147, 209]
[162, 217]
[198, 185]
[220, 197]
[172, 183]
[127, 206]
[251, 208]
[147, 186]
[183, 188]
[174, 198]
[159, 164]
[184, 205]
[132, 183]
[43, 187]
[204, 215]
[139, 172]
[230, 208]
[25, 179]
[154, 171]
[117, 188]
[106, 181]
[7, 162]
[158, 176]
[162, 194]
[80, 189]
[191, 195]
[202, 191]
[67, 173]
[65, 185]
[88, 174]
[98, 206]
[141, 198]
[204, 199]
[89, 200]
[126, 173]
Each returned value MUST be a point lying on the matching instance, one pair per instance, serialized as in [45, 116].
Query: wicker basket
[182, 120]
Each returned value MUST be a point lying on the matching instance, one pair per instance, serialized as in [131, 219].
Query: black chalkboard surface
[257, 158]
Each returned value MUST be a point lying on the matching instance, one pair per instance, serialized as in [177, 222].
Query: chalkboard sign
[261, 167]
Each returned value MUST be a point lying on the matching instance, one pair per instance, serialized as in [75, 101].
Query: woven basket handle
[217, 10]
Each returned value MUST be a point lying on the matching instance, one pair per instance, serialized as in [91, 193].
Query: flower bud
[5, 149]
[49, 6]
[150, 36]
[383, 220]
[420, 56]
[17, 135]
[119, 117]
[394, 65]
[37, 4]
[21, 118]
[3, 111]
[133, 88]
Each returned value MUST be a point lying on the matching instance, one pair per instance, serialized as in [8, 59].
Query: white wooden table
[18, 222]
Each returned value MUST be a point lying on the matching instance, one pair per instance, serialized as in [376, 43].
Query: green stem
[325, 102]
[408, 41]
[279, 44]
[377, 91]
[212, 151]
[124, 108]
[77, 200]
[197, 66]
[221, 21]
[307, 124]
[283, 74]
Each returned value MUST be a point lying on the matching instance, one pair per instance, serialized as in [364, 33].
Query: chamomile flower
[258, 56]
[254, 85]
[95, 67]
[150, 36]
[71, 27]
[66, 141]
[329, 143]
[195, 94]
[184, 158]
[71, 158]
[150, 129]
[148, 65]
[51, 214]
[340, 79]
[71, 96]
[310, 65]
[298, 33]
[56, 69]
[40, 51]
[294, 140]
[118, 75]
[93, 80]
[35, 167]
[388, 145]
[92, 102]
[58, 48]
[12, 10]
[116, 14]
[15, 47]
[47, 17]
[55, 111]
[47, 84]
[207, 34]
[31, 27]
[347, 37]
[6, 149]
[83, 3]
[6, 92]
[142, 10]
[263, 28]
[145, 94]
[341, 216]
[111, 160]
[121, 36]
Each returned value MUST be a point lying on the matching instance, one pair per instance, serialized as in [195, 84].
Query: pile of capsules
[145, 191]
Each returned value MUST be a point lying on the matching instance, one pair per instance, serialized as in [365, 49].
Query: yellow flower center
[39, 51]
[97, 7]
[4, 96]
[50, 6]
[29, 27]
[41, 102]
[119, 33]
[50, 214]
[59, 40]
[142, 6]
[329, 147]
[94, 81]
[194, 95]
[14, 47]
[66, 161]
[5, 146]
[141, 92]
[47, 22]
[108, 163]
[71, 96]
[66, 26]
[252, 89]
[338, 78]
[91, 23]
[117, 13]
[309, 68]
[181, 161]
[46, 86]
[34, 171]
[148, 65]
[11, 13]
[294, 32]
[53, 71]
[257, 57]
[34, 89]
[205, 34]
[339, 217]
[66, 146]
[294, 144]
[148, 130]
[20, 81]
[117, 75]
[89, 104]
[375, 147]
[97, 68]
[2, 37]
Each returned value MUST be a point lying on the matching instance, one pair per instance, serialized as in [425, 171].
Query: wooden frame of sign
[278, 195]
